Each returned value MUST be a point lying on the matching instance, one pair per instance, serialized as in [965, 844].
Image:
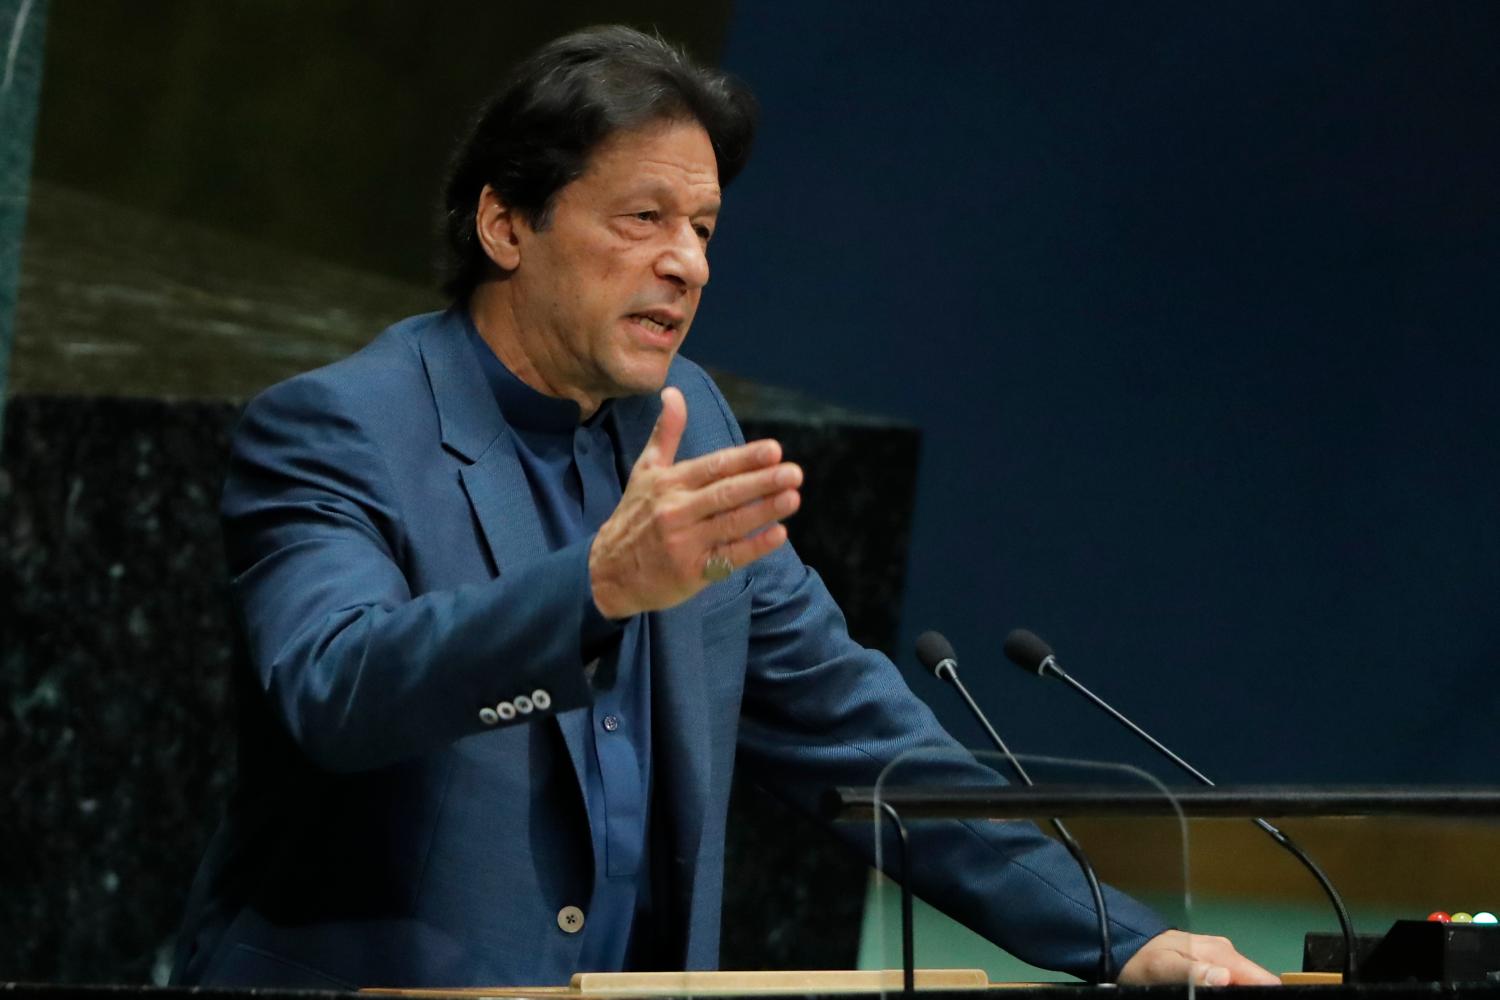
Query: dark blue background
[1195, 304]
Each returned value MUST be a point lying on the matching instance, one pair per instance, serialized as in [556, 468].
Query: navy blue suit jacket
[394, 581]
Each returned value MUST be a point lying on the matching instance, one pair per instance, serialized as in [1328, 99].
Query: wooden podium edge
[767, 983]
[1312, 979]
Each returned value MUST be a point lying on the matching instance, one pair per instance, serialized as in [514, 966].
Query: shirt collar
[520, 404]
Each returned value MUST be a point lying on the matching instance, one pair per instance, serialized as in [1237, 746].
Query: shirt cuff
[596, 632]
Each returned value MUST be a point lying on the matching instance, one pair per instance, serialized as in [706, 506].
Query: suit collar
[468, 417]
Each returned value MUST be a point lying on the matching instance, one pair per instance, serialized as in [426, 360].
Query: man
[516, 595]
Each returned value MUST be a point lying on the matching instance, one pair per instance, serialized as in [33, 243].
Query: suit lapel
[473, 429]
[494, 480]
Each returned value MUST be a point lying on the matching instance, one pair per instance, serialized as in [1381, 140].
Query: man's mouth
[656, 323]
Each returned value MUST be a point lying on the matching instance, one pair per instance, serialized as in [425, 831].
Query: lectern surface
[1378, 991]
[795, 982]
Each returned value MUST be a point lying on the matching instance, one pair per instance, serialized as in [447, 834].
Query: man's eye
[704, 233]
[649, 215]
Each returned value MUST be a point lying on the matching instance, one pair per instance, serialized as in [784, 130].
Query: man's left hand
[1179, 957]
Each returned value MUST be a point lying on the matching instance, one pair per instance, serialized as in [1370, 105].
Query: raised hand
[654, 551]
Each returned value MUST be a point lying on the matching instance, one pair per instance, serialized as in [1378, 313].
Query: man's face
[607, 291]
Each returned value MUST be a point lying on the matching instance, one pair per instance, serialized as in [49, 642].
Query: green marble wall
[22, 23]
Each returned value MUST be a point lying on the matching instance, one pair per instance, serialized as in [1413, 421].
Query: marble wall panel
[22, 24]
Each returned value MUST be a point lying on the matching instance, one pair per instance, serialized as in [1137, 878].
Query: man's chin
[642, 380]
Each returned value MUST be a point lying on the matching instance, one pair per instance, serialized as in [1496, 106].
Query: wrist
[608, 597]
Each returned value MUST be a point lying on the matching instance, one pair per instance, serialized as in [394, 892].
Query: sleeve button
[541, 699]
[506, 711]
[488, 716]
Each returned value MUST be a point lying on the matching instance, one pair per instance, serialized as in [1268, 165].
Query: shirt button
[611, 723]
[570, 919]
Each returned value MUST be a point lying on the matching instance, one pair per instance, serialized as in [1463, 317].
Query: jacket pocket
[726, 622]
[726, 644]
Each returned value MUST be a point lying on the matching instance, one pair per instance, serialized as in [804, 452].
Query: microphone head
[1026, 650]
[932, 649]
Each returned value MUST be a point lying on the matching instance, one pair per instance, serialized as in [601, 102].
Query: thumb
[661, 450]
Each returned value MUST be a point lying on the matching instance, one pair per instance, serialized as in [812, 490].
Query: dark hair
[536, 135]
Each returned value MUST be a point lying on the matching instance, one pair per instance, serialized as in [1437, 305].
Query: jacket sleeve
[820, 710]
[360, 672]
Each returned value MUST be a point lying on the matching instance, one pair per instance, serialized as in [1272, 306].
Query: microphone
[935, 653]
[1031, 653]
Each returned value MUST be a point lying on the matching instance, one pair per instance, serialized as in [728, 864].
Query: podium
[1408, 957]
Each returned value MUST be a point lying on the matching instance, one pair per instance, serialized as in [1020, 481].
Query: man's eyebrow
[664, 192]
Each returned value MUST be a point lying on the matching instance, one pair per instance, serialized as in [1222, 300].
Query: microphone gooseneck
[936, 654]
[1031, 653]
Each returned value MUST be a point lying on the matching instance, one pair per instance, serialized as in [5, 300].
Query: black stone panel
[115, 744]
[116, 648]
[793, 895]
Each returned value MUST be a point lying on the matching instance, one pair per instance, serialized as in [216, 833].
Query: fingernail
[1217, 976]
[788, 475]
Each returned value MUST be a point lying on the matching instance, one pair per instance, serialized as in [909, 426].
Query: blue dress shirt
[575, 477]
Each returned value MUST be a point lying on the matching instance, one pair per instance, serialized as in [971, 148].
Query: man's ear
[495, 225]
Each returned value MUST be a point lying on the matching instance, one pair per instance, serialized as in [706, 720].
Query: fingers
[1220, 953]
[661, 449]
[745, 511]
[1243, 972]
[747, 518]
[747, 550]
[1169, 966]
[726, 495]
[723, 497]
[654, 550]
[1207, 974]
[696, 473]
[1177, 957]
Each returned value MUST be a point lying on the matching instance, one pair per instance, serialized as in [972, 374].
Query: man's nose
[685, 260]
